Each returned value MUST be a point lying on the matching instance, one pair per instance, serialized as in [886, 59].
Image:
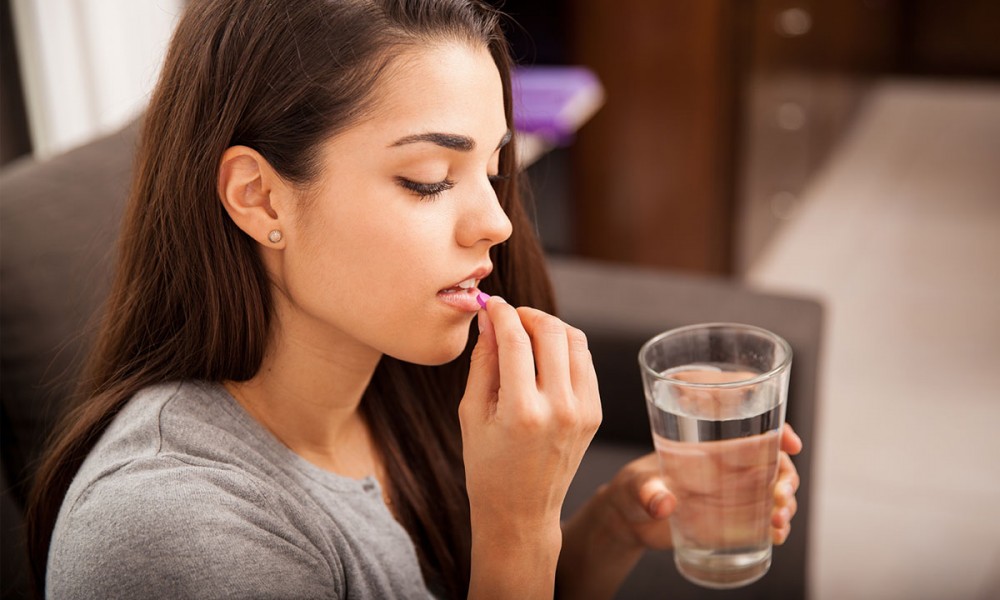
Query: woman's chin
[442, 355]
[443, 351]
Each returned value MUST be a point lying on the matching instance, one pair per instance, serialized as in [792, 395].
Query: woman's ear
[251, 193]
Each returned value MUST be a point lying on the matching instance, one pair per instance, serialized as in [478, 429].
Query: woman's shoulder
[159, 527]
[169, 455]
[150, 504]
[172, 424]
[173, 407]
[173, 440]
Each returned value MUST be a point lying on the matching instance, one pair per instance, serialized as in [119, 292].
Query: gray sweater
[187, 496]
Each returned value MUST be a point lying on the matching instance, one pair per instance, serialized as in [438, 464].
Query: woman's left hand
[641, 500]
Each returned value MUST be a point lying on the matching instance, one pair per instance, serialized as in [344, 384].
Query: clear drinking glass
[716, 396]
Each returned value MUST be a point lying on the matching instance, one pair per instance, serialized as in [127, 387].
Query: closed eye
[496, 180]
[426, 191]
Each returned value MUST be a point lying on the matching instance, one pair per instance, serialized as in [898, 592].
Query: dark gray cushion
[59, 219]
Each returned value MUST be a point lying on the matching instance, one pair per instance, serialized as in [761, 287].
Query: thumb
[484, 369]
[654, 496]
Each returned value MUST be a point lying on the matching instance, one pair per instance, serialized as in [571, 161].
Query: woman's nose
[484, 220]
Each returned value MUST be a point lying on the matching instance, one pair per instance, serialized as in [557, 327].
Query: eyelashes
[426, 191]
[430, 191]
[496, 180]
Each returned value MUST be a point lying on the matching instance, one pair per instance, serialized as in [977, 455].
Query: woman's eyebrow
[451, 141]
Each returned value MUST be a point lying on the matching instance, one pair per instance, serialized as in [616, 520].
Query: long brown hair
[279, 77]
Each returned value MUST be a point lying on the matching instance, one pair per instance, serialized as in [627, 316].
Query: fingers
[653, 496]
[661, 505]
[486, 326]
[785, 503]
[781, 519]
[484, 372]
[780, 535]
[514, 353]
[645, 499]
[642, 494]
[551, 349]
[520, 460]
[565, 365]
[788, 476]
[581, 363]
[752, 451]
[790, 441]
[538, 352]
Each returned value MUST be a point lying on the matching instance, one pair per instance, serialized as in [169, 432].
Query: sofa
[58, 220]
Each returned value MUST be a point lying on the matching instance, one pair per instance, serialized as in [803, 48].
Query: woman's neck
[308, 392]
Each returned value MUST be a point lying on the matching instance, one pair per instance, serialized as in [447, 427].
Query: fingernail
[787, 491]
[498, 299]
[482, 298]
[655, 503]
[483, 320]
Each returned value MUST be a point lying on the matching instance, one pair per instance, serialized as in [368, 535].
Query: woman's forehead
[452, 87]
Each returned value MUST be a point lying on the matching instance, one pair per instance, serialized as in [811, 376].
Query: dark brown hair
[279, 77]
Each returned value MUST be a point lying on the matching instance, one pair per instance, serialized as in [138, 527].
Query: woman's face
[404, 215]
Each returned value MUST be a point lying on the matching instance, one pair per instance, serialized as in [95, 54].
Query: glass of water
[716, 396]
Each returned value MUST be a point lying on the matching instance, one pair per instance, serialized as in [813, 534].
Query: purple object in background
[553, 102]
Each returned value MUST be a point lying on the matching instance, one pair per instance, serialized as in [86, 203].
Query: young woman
[288, 397]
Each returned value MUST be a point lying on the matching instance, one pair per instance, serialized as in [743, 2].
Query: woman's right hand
[530, 410]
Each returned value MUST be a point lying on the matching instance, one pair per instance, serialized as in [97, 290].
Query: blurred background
[844, 150]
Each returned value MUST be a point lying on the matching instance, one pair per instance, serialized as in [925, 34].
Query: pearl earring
[274, 236]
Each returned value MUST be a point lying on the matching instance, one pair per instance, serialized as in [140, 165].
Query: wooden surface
[684, 167]
[654, 167]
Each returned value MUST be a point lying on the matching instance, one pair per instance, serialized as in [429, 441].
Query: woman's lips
[462, 295]
[463, 299]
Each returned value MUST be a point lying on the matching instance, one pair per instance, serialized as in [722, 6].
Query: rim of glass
[729, 384]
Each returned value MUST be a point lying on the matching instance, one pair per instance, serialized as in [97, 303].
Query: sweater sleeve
[182, 531]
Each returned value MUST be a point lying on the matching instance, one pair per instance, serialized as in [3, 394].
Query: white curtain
[88, 65]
